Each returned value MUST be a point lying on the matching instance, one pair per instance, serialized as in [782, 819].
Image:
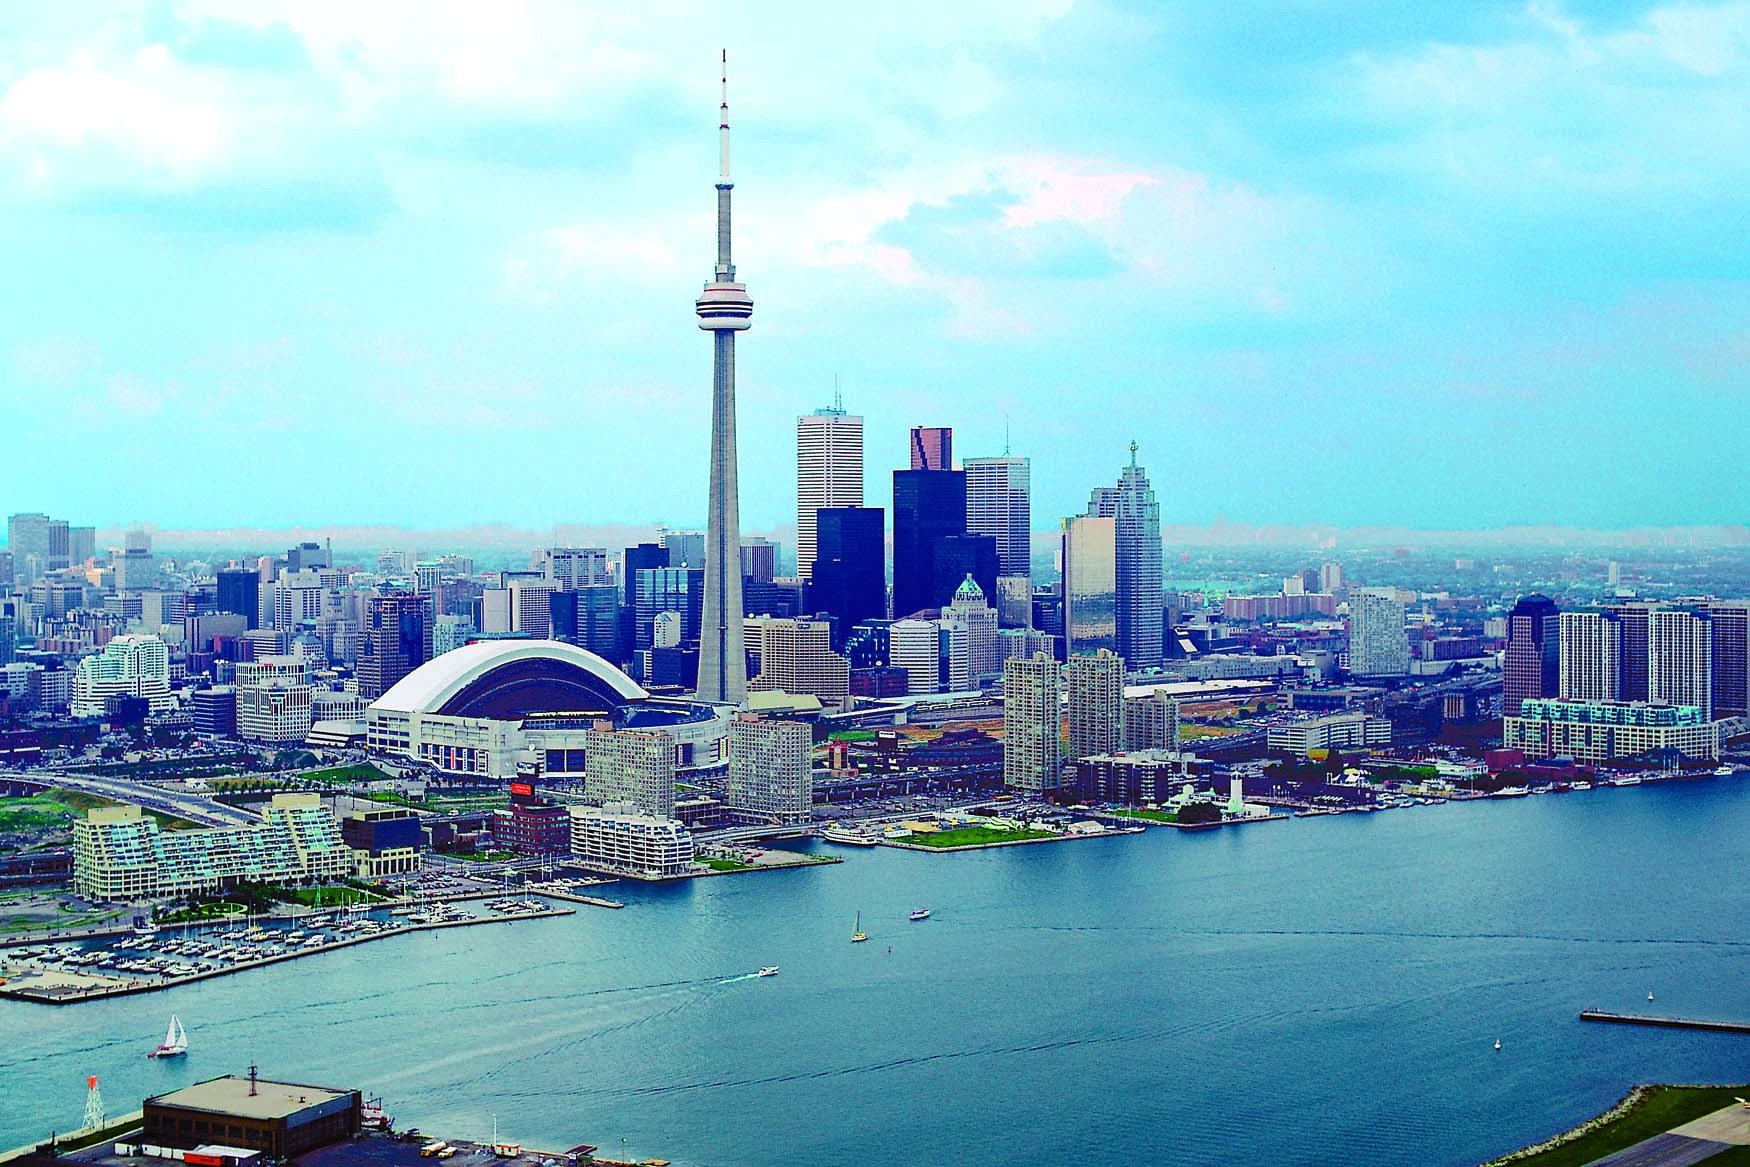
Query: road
[196, 808]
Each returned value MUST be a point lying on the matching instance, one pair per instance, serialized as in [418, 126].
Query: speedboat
[770, 970]
[919, 914]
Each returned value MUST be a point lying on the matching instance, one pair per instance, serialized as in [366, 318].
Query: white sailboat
[175, 1041]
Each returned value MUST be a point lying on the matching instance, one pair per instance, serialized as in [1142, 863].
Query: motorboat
[770, 970]
[919, 914]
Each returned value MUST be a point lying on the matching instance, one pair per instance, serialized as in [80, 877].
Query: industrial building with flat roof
[276, 1119]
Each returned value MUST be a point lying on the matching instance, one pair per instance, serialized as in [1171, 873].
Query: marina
[151, 959]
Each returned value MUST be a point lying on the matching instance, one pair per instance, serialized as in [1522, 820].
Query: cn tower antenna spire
[724, 309]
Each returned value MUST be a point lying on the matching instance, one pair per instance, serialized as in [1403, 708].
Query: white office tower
[297, 599]
[634, 767]
[914, 645]
[531, 607]
[1680, 659]
[998, 504]
[770, 771]
[829, 473]
[1032, 717]
[128, 666]
[1095, 687]
[1591, 656]
[984, 661]
[1151, 722]
[1378, 644]
[495, 610]
[665, 630]
[570, 568]
[274, 699]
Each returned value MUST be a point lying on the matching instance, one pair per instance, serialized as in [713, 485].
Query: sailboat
[175, 1041]
[857, 933]
[1497, 1043]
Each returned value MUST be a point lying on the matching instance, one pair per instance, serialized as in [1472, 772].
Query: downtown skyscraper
[829, 473]
[1137, 547]
[724, 309]
[999, 504]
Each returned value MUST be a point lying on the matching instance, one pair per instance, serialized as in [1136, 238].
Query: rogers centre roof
[507, 679]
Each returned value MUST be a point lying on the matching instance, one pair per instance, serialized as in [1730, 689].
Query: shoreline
[1623, 1109]
[902, 845]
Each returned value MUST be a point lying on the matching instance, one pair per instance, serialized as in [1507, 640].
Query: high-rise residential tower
[1680, 659]
[829, 473]
[1531, 666]
[1378, 645]
[1032, 723]
[1137, 519]
[1731, 656]
[1636, 617]
[1591, 656]
[724, 309]
[1094, 684]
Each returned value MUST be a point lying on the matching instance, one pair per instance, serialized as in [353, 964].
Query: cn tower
[724, 309]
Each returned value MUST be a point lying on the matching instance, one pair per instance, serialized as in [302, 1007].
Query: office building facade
[1137, 563]
[829, 473]
[1531, 665]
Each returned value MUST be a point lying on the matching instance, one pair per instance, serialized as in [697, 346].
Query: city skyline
[351, 221]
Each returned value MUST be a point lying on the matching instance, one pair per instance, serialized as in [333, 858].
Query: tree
[1195, 813]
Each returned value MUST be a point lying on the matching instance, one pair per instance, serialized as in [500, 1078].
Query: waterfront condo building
[619, 840]
[1599, 731]
[770, 769]
[1032, 723]
[121, 855]
[829, 473]
[629, 767]
[1680, 659]
[1591, 656]
[1731, 657]
[128, 666]
[1094, 685]
[1151, 722]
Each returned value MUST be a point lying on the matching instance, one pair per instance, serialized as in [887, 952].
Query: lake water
[1322, 990]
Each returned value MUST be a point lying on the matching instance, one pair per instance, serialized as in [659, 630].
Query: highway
[196, 808]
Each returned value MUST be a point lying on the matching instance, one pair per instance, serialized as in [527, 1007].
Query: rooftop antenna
[1005, 435]
[838, 401]
[1133, 452]
[252, 1090]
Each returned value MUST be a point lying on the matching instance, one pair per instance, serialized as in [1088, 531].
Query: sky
[432, 264]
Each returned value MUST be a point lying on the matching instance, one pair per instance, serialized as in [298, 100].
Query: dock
[1665, 1022]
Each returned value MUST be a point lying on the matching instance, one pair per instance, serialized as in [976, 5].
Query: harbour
[1375, 953]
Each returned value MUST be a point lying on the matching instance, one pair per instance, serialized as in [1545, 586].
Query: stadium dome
[509, 679]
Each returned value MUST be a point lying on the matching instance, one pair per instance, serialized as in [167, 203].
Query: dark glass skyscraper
[240, 593]
[397, 640]
[849, 578]
[928, 506]
[1531, 666]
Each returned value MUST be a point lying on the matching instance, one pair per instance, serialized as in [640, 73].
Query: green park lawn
[975, 837]
[1154, 816]
[1663, 1108]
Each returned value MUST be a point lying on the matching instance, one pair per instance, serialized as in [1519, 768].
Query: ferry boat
[770, 970]
[175, 1042]
[919, 914]
[1626, 780]
[373, 1117]
[849, 836]
[1510, 792]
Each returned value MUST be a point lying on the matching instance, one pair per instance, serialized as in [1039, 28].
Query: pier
[1665, 1022]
